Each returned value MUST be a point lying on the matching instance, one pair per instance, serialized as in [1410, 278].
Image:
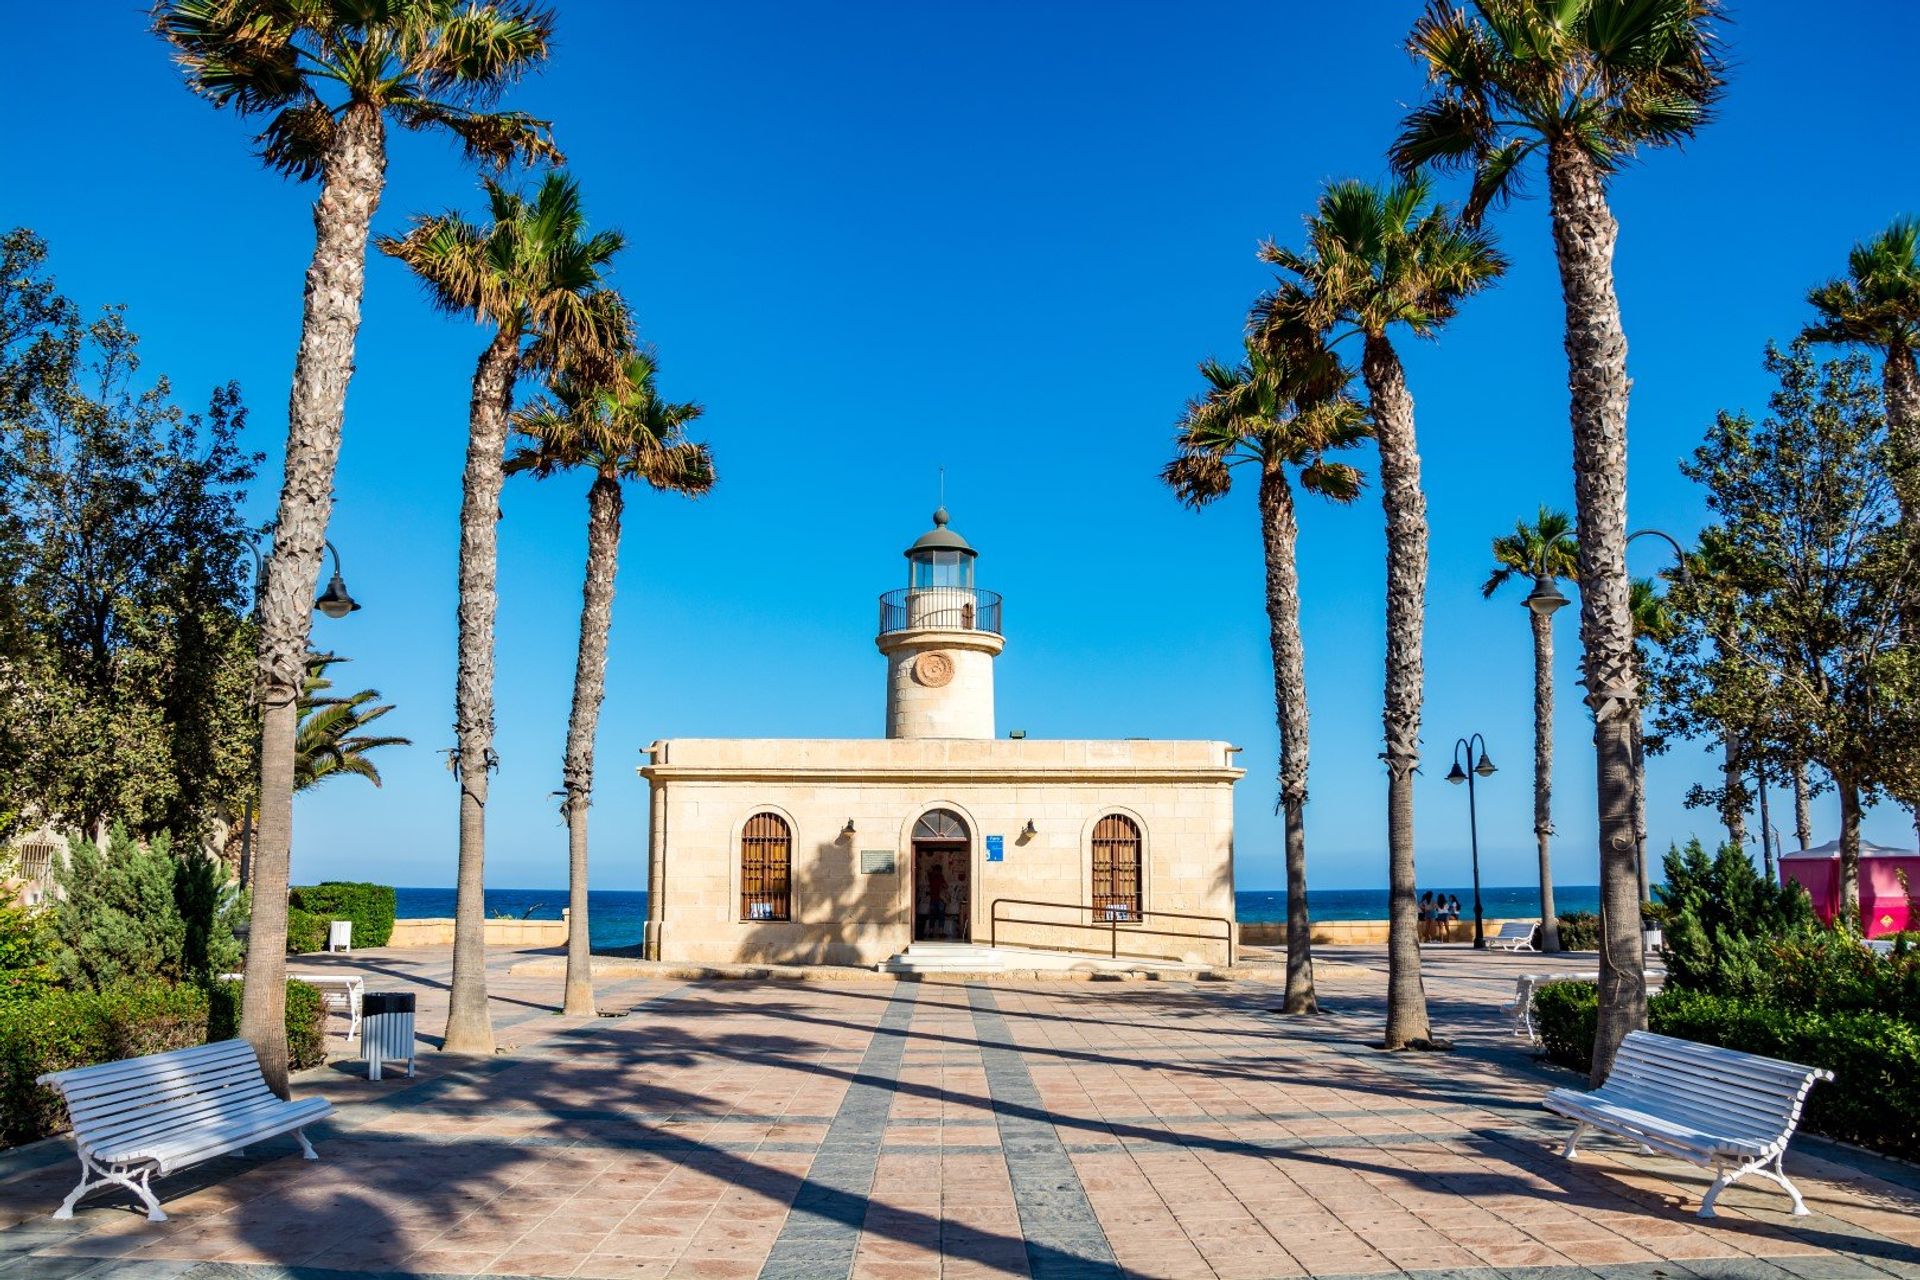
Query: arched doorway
[942, 878]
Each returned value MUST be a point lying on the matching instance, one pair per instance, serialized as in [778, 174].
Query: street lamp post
[1639, 780]
[1458, 775]
[334, 602]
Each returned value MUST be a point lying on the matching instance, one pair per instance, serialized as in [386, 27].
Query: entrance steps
[969, 958]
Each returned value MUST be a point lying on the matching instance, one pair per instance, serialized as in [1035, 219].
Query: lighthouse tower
[940, 636]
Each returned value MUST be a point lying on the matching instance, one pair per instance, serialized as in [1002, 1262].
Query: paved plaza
[918, 1130]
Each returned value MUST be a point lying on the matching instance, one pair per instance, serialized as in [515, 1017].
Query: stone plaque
[876, 862]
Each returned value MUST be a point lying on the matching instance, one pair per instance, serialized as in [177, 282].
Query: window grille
[1116, 869]
[766, 868]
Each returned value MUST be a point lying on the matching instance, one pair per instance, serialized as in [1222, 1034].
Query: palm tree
[618, 428]
[331, 742]
[1877, 304]
[1284, 406]
[1587, 83]
[1377, 257]
[327, 75]
[1544, 553]
[535, 276]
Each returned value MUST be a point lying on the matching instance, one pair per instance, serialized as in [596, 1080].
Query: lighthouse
[940, 635]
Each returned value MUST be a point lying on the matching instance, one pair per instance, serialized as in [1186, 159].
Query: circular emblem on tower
[933, 669]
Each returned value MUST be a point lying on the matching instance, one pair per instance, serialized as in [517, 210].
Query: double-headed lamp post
[1484, 768]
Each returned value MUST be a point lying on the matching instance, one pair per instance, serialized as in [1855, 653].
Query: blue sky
[879, 239]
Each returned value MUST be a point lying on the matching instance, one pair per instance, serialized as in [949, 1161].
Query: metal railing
[1119, 922]
[940, 608]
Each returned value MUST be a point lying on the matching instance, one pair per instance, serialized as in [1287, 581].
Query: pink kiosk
[1884, 905]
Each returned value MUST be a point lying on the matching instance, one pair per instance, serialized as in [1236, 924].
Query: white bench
[1525, 988]
[1514, 935]
[1726, 1111]
[144, 1116]
[339, 993]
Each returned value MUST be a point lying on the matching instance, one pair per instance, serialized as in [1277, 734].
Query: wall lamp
[847, 831]
[1029, 830]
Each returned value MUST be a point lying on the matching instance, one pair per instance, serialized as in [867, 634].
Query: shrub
[64, 1029]
[1565, 1014]
[118, 921]
[1580, 931]
[27, 951]
[1724, 920]
[136, 912]
[306, 1021]
[369, 906]
[305, 931]
[1874, 1099]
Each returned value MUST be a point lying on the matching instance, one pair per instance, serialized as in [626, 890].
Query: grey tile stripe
[1064, 1238]
[823, 1227]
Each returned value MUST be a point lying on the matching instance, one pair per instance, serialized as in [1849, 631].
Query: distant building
[848, 851]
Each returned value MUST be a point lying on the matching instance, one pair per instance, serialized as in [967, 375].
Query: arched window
[766, 867]
[1116, 869]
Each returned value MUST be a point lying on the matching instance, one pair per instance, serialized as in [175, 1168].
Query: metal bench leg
[306, 1147]
[1779, 1174]
[1720, 1184]
[93, 1177]
[1573, 1139]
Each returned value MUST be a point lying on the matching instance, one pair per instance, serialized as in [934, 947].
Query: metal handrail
[1111, 925]
[940, 608]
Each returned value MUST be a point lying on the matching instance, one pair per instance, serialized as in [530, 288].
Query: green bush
[1725, 920]
[1580, 931]
[27, 952]
[135, 912]
[305, 931]
[306, 1021]
[1873, 1100]
[1564, 1015]
[369, 906]
[65, 1029]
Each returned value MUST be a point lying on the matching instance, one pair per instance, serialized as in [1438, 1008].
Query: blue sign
[996, 848]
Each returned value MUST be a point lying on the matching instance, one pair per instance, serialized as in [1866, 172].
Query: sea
[616, 917]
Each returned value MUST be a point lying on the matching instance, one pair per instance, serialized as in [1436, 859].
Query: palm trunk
[351, 181]
[1802, 810]
[1543, 772]
[1848, 909]
[1584, 232]
[1901, 381]
[1406, 511]
[1280, 532]
[1733, 794]
[469, 1024]
[604, 502]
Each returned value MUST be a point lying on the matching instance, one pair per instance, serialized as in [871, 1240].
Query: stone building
[847, 851]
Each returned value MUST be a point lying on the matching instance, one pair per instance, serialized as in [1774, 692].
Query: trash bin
[386, 1029]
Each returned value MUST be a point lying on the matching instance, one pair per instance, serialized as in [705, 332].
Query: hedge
[65, 1029]
[305, 931]
[1873, 1101]
[1580, 931]
[369, 906]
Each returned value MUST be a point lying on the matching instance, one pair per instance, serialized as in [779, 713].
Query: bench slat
[80, 1081]
[197, 1144]
[159, 1092]
[135, 1127]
